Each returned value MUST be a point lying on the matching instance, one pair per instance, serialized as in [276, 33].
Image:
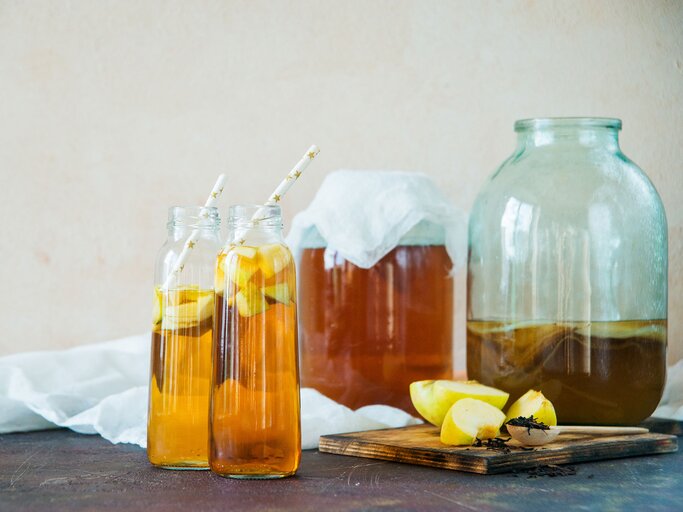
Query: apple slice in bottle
[241, 265]
[188, 314]
[277, 292]
[272, 258]
[158, 306]
[250, 301]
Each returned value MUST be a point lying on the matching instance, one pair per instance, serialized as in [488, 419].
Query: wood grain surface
[420, 444]
[664, 426]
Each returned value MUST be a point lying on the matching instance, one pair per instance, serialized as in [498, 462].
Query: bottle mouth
[196, 217]
[541, 123]
[254, 216]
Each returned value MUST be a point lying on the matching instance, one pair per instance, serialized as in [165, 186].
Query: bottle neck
[254, 224]
[184, 231]
[183, 220]
[251, 236]
[580, 133]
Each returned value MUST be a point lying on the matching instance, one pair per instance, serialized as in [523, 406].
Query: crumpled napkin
[671, 404]
[93, 389]
[102, 389]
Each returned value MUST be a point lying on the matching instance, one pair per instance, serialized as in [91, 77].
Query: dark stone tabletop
[61, 470]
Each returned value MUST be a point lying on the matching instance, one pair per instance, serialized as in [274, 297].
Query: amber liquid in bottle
[177, 429]
[366, 334]
[609, 373]
[255, 420]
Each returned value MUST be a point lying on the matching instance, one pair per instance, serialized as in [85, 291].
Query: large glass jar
[367, 333]
[177, 428]
[567, 277]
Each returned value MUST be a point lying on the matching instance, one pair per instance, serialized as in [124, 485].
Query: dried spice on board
[528, 422]
[499, 444]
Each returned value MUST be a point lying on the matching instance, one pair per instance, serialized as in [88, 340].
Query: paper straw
[289, 180]
[192, 240]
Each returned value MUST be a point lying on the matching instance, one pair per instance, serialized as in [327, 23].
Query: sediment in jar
[593, 372]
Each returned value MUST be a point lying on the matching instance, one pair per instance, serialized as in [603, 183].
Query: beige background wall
[110, 111]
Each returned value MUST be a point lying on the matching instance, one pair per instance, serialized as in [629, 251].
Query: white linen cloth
[362, 215]
[671, 404]
[102, 389]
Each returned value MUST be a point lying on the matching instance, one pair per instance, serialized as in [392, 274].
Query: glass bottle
[567, 276]
[255, 427]
[367, 333]
[177, 428]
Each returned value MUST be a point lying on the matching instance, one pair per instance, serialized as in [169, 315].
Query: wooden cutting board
[419, 444]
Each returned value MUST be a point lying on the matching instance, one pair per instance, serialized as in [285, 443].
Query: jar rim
[198, 217]
[253, 215]
[537, 123]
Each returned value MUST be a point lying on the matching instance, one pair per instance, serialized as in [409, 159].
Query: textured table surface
[60, 470]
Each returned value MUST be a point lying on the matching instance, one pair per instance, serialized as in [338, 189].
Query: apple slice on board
[433, 398]
[533, 403]
[469, 420]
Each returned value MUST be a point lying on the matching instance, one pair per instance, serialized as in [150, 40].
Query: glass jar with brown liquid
[254, 426]
[367, 333]
[177, 428]
[567, 275]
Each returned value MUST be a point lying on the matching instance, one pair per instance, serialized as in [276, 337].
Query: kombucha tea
[366, 334]
[609, 373]
[255, 418]
[177, 429]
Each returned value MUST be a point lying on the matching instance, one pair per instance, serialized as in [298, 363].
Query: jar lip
[193, 216]
[537, 123]
[243, 215]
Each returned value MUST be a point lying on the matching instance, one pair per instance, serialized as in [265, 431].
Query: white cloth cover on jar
[362, 215]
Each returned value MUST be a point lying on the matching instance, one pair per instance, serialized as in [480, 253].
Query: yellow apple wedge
[278, 292]
[272, 259]
[433, 398]
[239, 265]
[423, 400]
[158, 306]
[250, 301]
[188, 314]
[533, 403]
[469, 420]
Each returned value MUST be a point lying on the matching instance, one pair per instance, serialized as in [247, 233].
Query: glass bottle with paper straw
[375, 253]
[177, 428]
[255, 429]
